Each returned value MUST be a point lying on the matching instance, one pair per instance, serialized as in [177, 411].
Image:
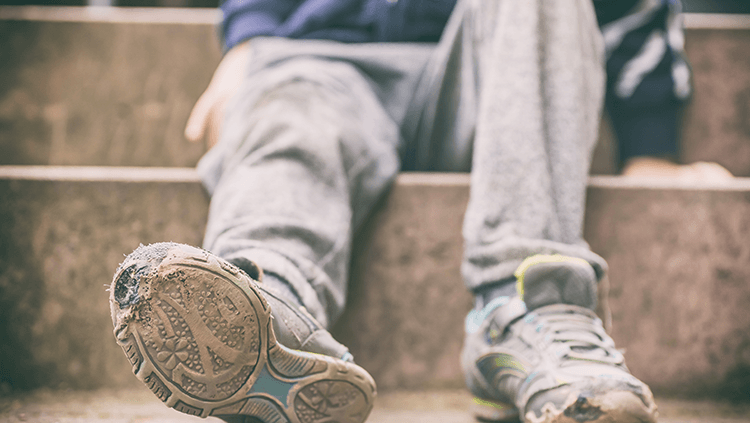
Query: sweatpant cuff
[487, 265]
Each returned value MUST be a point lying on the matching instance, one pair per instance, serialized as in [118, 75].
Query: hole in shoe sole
[126, 287]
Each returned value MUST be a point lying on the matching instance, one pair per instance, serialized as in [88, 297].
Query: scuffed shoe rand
[198, 332]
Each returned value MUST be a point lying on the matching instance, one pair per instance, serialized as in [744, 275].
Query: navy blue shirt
[353, 21]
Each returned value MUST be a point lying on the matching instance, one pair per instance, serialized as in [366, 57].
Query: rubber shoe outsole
[198, 333]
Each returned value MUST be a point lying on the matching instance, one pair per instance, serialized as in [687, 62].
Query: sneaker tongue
[545, 280]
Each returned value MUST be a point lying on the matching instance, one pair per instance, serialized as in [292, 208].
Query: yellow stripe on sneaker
[530, 261]
[486, 403]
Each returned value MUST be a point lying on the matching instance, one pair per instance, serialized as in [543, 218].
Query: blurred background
[690, 6]
[93, 103]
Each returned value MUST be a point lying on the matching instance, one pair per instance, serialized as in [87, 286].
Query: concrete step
[63, 233]
[679, 258]
[114, 87]
[425, 406]
[102, 86]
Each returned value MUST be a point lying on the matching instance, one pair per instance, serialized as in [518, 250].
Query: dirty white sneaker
[544, 356]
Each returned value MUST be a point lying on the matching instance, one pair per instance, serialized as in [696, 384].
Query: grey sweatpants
[512, 92]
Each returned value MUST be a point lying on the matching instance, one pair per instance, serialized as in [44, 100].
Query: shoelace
[576, 333]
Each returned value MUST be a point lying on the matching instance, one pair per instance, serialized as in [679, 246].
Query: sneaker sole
[493, 411]
[198, 333]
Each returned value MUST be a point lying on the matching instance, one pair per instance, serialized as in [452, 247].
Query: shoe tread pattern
[331, 401]
[201, 335]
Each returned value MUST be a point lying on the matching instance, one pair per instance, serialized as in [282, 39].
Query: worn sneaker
[208, 340]
[544, 356]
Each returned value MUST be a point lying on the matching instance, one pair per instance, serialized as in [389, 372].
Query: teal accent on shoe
[475, 318]
[348, 357]
[270, 385]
